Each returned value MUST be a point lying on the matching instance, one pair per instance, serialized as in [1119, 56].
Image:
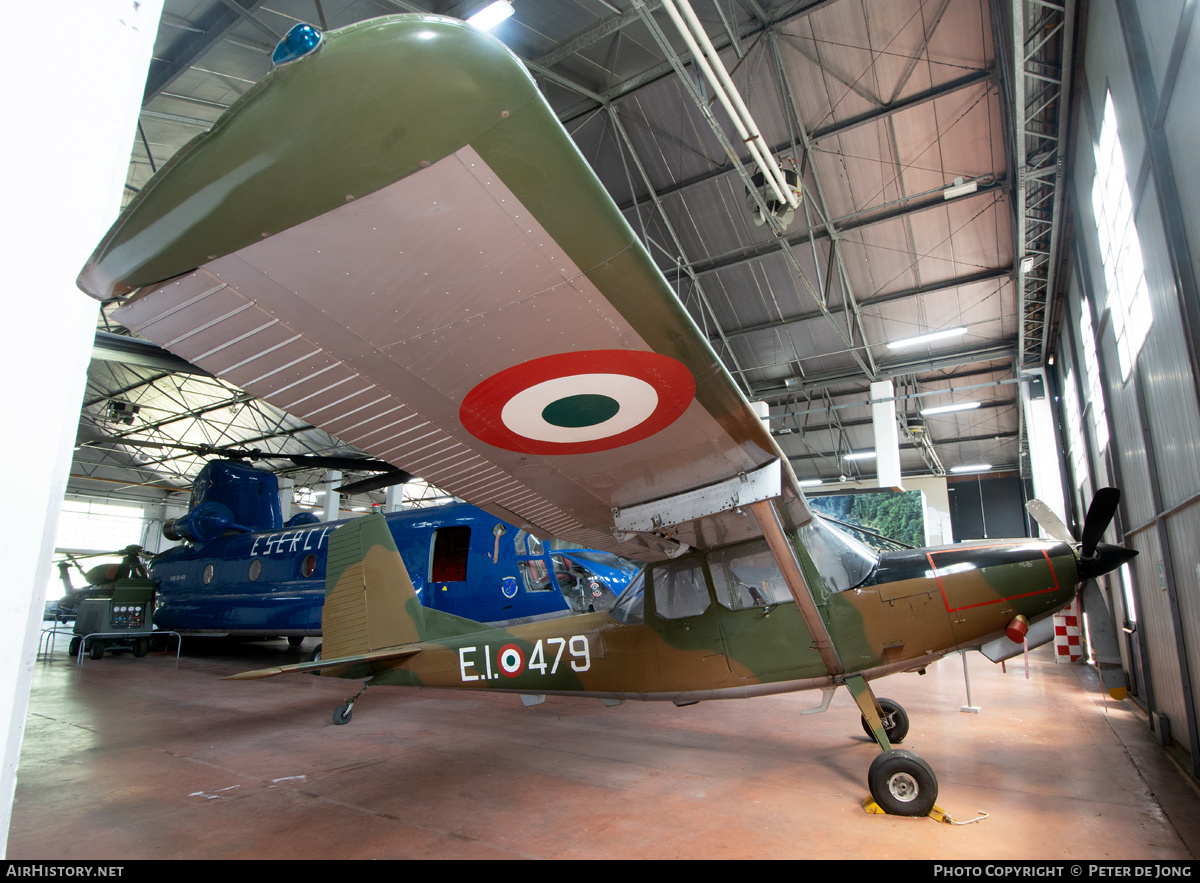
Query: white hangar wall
[1146, 56]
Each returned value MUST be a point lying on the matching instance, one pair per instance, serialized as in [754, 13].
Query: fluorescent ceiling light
[859, 455]
[960, 189]
[947, 409]
[1027, 263]
[811, 482]
[926, 338]
[973, 467]
[491, 15]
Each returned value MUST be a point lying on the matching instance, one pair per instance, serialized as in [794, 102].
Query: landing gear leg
[901, 783]
[341, 714]
[872, 712]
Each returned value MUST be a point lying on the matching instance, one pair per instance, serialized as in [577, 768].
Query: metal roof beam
[929, 95]
[984, 276]
[917, 203]
[164, 72]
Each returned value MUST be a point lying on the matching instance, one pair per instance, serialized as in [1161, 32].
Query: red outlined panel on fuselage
[962, 573]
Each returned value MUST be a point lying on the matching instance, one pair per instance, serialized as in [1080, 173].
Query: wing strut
[789, 566]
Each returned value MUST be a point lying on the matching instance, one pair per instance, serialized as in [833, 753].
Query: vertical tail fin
[370, 602]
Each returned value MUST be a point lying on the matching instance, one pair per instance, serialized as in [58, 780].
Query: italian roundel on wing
[578, 403]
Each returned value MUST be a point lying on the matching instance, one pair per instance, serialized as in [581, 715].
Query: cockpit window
[631, 606]
[747, 576]
[843, 561]
[679, 589]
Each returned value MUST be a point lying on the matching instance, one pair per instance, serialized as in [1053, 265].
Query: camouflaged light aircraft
[392, 236]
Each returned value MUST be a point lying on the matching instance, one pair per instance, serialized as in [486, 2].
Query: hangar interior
[1012, 173]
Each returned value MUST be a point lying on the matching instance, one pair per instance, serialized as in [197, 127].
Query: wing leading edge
[480, 316]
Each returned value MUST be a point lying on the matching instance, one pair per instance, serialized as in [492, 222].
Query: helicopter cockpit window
[843, 561]
[535, 575]
[747, 576]
[679, 589]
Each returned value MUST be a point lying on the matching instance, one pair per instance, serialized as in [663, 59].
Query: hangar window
[1120, 249]
[1075, 430]
[450, 554]
[1095, 390]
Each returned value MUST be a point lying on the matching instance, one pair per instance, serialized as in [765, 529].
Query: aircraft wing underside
[435, 324]
[433, 273]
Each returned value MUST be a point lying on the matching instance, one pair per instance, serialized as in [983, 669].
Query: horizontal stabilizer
[325, 664]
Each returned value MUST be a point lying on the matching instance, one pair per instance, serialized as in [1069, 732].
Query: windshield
[843, 561]
[631, 606]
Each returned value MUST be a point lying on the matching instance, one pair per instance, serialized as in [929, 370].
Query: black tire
[316, 655]
[341, 714]
[74, 648]
[895, 721]
[96, 650]
[295, 641]
[902, 784]
[141, 647]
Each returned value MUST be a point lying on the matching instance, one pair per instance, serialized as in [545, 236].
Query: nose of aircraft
[1106, 557]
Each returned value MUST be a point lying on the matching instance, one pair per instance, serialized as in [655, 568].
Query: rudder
[370, 602]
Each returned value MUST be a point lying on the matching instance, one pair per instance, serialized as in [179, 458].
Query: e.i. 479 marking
[510, 659]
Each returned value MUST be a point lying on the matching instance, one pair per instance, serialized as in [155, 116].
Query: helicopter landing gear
[341, 714]
[901, 783]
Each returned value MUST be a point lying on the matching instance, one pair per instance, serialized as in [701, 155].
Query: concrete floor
[136, 758]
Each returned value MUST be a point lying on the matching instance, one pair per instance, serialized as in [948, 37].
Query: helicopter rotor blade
[376, 482]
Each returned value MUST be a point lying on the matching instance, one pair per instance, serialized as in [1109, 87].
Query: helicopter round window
[207, 575]
[255, 569]
[309, 566]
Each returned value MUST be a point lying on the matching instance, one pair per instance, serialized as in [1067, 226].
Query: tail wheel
[341, 714]
[895, 721]
[902, 784]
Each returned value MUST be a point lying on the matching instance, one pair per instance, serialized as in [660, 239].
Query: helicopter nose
[1106, 557]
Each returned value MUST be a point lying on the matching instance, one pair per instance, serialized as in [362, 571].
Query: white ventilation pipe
[703, 52]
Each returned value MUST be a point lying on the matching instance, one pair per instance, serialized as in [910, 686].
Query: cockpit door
[691, 652]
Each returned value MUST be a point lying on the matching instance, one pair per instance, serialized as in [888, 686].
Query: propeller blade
[1049, 522]
[1102, 634]
[1100, 514]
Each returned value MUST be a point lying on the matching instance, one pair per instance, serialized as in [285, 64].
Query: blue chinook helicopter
[243, 572]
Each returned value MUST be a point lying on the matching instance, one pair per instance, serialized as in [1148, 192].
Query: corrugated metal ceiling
[878, 104]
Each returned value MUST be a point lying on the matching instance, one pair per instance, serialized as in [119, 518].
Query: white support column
[333, 500]
[763, 410]
[287, 488]
[77, 100]
[1044, 455]
[887, 435]
[395, 496]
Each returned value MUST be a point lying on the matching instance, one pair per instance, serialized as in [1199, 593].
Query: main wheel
[341, 714]
[902, 784]
[895, 721]
[295, 641]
